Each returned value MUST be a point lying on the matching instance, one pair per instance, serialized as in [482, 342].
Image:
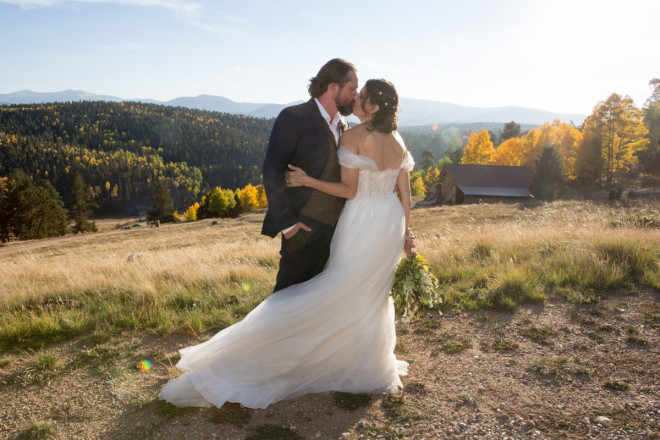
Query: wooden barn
[462, 183]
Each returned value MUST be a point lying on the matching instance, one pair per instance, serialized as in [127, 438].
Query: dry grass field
[549, 329]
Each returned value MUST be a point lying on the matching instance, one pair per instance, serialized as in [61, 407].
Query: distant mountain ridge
[413, 111]
[421, 112]
[30, 97]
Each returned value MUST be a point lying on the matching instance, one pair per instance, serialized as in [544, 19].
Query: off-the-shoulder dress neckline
[373, 161]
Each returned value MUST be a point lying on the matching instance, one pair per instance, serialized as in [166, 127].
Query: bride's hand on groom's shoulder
[295, 177]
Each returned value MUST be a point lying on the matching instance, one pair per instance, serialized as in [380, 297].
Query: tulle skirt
[334, 332]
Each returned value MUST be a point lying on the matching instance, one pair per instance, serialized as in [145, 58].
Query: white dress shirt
[333, 123]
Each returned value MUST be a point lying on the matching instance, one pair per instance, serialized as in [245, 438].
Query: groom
[307, 136]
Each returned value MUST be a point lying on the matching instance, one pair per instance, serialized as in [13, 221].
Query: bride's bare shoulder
[400, 144]
[351, 139]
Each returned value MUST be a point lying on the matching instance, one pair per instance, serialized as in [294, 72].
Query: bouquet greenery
[414, 287]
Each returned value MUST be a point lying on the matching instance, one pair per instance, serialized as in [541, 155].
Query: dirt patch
[555, 370]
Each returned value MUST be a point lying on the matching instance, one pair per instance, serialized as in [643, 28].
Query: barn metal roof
[495, 191]
[490, 180]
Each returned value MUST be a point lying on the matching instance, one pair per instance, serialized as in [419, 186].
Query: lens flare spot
[145, 365]
[434, 127]
[453, 137]
[246, 287]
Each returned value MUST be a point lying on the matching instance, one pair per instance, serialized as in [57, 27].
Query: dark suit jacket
[300, 137]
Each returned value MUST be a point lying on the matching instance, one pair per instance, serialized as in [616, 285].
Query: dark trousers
[304, 255]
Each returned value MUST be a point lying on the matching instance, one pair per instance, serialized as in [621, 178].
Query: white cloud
[191, 13]
[27, 4]
[181, 9]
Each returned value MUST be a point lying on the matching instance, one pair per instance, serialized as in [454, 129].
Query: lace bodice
[372, 181]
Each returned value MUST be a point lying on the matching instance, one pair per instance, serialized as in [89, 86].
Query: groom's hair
[334, 71]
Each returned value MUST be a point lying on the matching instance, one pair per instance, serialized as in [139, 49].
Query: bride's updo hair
[382, 93]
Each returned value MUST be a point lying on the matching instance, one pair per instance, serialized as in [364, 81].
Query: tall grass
[199, 278]
[192, 278]
[501, 256]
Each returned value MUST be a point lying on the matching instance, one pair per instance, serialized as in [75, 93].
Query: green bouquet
[414, 287]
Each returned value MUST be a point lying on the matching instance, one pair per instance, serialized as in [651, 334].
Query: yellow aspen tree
[620, 131]
[566, 139]
[191, 214]
[417, 188]
[221, 202]
[432, 177]
[248, 198]
[263, 201]
[544, 139]
[510, 152]
[530, 148]
[479, 149]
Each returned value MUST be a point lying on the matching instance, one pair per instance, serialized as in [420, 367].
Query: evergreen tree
[427, 160]
[547, 179]
[650, 158]
[235, 211]
[440, 165]
[203, 208]
[162, 204]
[494, 138]
[80, 205]
[122, 148]
[29, 210]
[589, 164]
[455, 155]
[510, 130]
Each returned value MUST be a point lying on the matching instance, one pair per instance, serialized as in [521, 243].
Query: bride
[334, 332]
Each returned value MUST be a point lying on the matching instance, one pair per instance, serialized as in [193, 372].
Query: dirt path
[551, 371]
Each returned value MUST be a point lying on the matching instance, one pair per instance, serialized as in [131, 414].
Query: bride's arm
[403, 185]
[345, 189]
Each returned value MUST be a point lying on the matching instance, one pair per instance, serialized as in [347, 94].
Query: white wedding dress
[334, 332]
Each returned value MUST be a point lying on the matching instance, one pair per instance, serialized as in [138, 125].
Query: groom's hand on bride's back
[297, 227]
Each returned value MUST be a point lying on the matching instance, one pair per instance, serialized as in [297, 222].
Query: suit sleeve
[281, 149]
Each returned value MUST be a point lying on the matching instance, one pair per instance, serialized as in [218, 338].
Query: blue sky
[562, 55]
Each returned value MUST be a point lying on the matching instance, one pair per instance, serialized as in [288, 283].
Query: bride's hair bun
[382, 93]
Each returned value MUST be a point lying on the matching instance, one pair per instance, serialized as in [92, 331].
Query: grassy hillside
[176, 277]
[553, 309]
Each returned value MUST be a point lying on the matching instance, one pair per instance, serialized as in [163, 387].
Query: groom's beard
[346, 109]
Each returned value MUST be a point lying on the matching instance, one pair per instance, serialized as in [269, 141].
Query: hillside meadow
[523, 284]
